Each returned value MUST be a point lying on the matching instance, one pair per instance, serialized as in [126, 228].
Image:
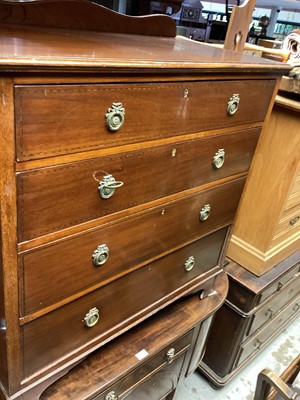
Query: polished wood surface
[49, 188]
[43, 209]
[117, 358]
[99, 52]
[49, 119]
[64, 14]
[267, 228]
[255, 311]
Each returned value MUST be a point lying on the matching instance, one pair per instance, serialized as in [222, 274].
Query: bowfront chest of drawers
[123, 159]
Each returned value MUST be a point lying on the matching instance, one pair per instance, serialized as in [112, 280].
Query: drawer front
[49, 274]
[54, 120]
[120, 303]
[289, 224]
[54, 198]
[280, 283]
[261, 338]
[269, 310]
[294, 195]
[161, 365]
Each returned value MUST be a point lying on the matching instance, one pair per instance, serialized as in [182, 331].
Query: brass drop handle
[294, 220]
[279, 286]
[270, 312]
[108, 185]
[170, 355]
[205, 212]
[100, 255]
[111, 396]
[219, 158]
[189, 264]
[258, 343]
[115, 117]
[91, 318]
[233, 104]
[296, 307]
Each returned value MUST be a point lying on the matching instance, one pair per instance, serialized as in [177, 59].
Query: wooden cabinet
[267, 227]
[254, 313]
[123, 159]
[149, 361]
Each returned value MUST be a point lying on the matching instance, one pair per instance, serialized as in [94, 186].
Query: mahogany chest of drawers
[255, 311]
[123, 159]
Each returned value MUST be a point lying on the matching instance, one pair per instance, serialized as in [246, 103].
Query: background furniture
[125, 153]
[270, 386]
[267, 227]
[254, 313]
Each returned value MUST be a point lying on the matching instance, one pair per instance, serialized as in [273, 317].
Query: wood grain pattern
[120, 303]
[255, 311]
[117, 358]
[45, 207]
[49, 119]
[93, 17]
[254, 243]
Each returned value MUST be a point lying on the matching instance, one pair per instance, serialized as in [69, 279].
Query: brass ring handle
[233, 104]
[219, 158]
[91, 318]
[205, 212]
[189, 264]
[111, 396]
[115, 117]
[100, 255]
[108, 185]
[170, 355]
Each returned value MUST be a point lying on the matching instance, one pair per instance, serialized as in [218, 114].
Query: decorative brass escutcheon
[189, 264]
[233, 104]
[108, 185]
[115, 117]
[219, 158]
[92, 317]
[100, 255]
[170, 355]
[111, 396]
[205, 212]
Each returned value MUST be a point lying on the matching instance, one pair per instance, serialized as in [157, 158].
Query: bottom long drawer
[105, 312]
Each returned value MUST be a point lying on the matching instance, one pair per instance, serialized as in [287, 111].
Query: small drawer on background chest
[274, 305]
[155, 378]
[261, 338]
[55, 120]
[54, 198]
[280, 284]
[106, 311]
[289, 224]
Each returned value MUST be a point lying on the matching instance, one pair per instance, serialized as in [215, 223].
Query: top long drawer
[56, 120]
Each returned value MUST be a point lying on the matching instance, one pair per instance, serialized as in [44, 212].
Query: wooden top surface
[75, 34]
[36, 47]
[255, 283]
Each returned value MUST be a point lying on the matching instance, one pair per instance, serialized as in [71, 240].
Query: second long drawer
[54, 198]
